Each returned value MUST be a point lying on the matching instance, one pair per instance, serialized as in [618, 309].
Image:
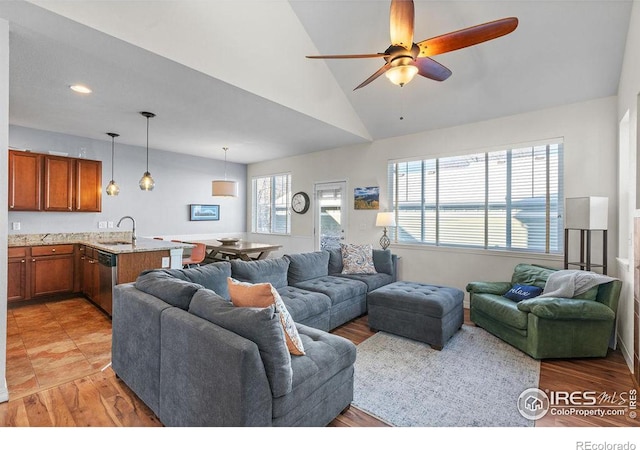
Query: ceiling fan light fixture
[401, 75]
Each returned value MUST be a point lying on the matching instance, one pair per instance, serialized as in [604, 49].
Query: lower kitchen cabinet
[40, 271]
[17, 274]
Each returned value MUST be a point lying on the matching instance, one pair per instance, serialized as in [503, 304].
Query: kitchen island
[52, 266]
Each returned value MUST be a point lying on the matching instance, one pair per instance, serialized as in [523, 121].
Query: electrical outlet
[102, 224]
[166, 261]
[110, 224]
[15, 226]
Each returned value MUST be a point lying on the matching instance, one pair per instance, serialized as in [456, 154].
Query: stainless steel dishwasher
[108, 276]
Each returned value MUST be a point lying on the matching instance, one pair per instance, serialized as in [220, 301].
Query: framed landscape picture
[366, 197]
[204, 212]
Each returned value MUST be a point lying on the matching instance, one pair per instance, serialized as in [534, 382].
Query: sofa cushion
[303, 304]
[338, 289]
[211, 276]
[272, 270]
[305, 266]
[327, 355]
[530, 275]
[259, 325]
[500, 309]
[357, 258]
[521, 292]
[175, 291]
[372, 280]
[335, 260]
[383, 261]
[261, 295]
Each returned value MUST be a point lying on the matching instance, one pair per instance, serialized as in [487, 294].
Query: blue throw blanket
[570, 283]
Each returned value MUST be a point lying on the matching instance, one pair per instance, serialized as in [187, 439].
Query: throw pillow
[521, 292]
[357, 258]
[261, 295]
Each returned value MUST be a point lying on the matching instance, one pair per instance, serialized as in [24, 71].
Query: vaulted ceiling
[233, 72]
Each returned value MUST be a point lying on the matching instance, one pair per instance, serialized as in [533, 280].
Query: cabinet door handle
[23, 261]
[53, 250]
[33, 260]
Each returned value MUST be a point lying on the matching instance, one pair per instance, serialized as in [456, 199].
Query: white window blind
[506, 199]
[271, 202]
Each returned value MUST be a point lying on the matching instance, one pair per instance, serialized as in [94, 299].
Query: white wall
[180, 180]
[589, 130]
[4, 128]
[628, 90]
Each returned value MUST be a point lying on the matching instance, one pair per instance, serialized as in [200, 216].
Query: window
[271, 197]
[508, 199]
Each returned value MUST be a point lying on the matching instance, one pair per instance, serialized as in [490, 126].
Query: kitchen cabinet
[41, 271]
[89, 270]
[25, 181]
[40, 182]
[52, 270]
[17, 274]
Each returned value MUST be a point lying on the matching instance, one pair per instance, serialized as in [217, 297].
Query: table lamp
[385, 219]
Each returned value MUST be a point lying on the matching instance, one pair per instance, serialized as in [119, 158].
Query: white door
[330, 214]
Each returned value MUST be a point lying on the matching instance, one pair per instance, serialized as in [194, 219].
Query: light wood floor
[58, 375]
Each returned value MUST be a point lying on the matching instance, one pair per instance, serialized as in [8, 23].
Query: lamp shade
[224, 188]
[586, 213]
[385, 219]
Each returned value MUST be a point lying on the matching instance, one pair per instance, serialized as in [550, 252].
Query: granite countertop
[112, 242]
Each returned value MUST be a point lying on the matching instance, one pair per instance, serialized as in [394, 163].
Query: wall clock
[300, 202]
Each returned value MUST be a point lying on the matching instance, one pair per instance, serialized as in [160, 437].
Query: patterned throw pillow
[261, 295]
[357, 258]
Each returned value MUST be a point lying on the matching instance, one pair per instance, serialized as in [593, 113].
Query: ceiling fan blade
[431, 69]
[364, 55]
[467, 37]
[401, 20]
[380, 71]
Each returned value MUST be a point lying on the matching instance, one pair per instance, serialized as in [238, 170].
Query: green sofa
[546, 327]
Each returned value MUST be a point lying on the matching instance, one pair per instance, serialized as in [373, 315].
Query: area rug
[474, 381]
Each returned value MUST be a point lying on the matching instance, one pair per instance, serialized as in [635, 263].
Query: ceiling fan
[404, 58]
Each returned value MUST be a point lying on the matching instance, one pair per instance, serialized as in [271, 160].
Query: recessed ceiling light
[81, 88]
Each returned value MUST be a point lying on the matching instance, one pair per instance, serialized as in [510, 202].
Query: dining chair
[198, 253]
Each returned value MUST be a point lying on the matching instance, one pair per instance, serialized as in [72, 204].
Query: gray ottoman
[423, 312]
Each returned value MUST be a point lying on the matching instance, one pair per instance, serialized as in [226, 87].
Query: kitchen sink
[115, 242]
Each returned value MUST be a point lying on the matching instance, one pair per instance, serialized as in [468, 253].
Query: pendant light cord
[225, 162]
[112, 156]
[147, 143]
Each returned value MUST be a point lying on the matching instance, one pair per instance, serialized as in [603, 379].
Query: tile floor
[47, 345]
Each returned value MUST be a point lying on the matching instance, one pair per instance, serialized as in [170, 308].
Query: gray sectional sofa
[196, 360]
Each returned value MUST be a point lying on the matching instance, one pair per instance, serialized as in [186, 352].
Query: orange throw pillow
[261, 295]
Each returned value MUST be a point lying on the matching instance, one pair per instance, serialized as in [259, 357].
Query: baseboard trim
[628, 356]
[4, 392]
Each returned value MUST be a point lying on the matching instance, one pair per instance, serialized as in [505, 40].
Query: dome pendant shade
[112, 188]
[224, 188]
[146, 182]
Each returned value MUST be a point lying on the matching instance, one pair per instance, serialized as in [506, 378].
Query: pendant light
[112, 188]
[146, 182]
[224, 188]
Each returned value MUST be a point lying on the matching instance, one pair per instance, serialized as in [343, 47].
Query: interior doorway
[330, 214]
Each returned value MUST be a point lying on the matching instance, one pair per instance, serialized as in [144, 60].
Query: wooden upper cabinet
[25, 181]
[40, 182]
[88, 185]
[58, 183]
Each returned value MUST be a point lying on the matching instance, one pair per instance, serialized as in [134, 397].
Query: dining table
[244, 250]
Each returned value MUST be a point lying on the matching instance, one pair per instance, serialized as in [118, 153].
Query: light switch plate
[15, 226]
[166, 262]
[102, 224]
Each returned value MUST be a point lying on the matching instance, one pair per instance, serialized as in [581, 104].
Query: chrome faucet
[133, 235]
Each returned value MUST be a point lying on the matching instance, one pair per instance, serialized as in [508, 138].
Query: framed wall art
[366, 197]
[204, 212]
